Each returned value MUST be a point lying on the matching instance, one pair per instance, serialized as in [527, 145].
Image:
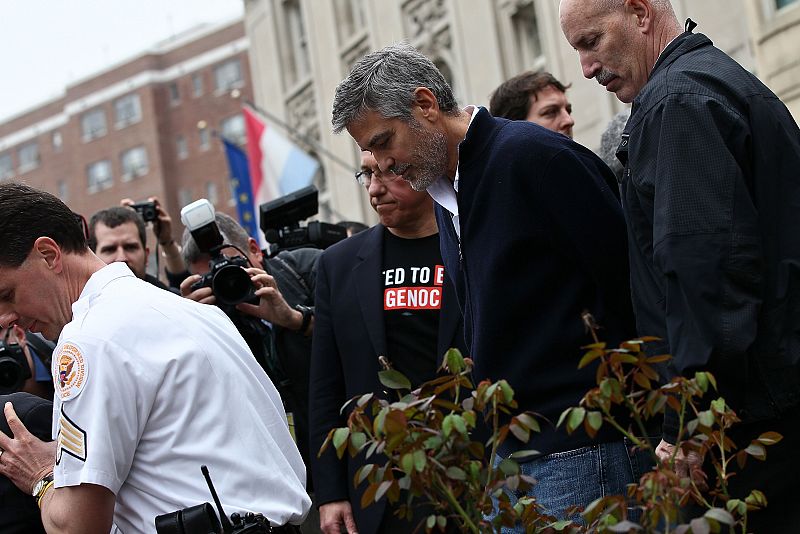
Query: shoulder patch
[71, 371]
[71, 438]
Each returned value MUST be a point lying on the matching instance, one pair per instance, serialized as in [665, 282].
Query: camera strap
[295, 274]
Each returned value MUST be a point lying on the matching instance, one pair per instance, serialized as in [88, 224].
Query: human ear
[49, 251]
[642, 11]
[426, 102]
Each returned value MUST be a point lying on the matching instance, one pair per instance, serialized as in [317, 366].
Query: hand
[162, 226]
[336, 515]
[686, 464]
[204, 295]
[25, 459]
[271, 306]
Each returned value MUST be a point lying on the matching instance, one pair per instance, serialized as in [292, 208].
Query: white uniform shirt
[149, 387]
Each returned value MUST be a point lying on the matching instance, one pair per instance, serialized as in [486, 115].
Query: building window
[232, 129]
[28, 156]
[197, 84]
[93, 124]
[99, 176]
[6, 166]
[296, 54]
[57, 140]
[181, 147]
[526, 37]
[174, 94]
[184, 196]
[211, 193]
[783, 3]
[134, 163]
[127, 110]
[349, 18]
[228, 75]
[63, 191]
[205, 138]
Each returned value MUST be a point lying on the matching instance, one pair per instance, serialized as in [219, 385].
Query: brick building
[142, 127]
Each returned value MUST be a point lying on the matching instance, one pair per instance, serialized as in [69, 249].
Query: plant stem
[445, 489]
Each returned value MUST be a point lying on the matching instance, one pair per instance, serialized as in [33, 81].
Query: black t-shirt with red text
[412, 275]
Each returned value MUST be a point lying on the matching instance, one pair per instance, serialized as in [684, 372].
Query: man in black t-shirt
[380, 293]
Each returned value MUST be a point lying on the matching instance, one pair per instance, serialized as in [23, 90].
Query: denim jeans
[578, 477]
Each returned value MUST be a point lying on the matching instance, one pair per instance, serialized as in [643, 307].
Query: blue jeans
[578, 477]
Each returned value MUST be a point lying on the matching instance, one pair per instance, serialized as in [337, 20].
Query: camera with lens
[226, 276]
[280, 222]
[201, 519]
[147, 210]
[14, 368]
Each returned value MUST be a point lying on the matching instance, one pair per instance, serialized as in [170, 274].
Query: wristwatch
[307, 314]
[43, 485]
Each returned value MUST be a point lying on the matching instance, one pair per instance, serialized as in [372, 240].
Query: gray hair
[609, 142]
[385, 81]
[232, 233]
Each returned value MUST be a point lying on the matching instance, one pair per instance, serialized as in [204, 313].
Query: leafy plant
[422, 447]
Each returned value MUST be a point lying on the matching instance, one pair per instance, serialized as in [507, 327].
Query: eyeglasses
[364, 177]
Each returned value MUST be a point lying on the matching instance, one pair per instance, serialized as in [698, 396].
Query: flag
[277, 166]
[241, 186]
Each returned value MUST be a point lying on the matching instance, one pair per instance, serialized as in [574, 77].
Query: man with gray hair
[532, 233]
[711, 194]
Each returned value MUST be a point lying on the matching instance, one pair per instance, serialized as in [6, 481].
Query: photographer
[150, 386]
[278, 328]
[25, 381]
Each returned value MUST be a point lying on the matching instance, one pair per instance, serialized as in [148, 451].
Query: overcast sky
[46, 45]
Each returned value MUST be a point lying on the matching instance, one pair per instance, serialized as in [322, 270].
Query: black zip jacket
[711, 194]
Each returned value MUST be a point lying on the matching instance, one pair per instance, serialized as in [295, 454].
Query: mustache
[604, 76]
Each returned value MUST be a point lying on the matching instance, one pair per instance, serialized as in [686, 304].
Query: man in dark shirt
[533, 235]
[711, 196]
[380, 293]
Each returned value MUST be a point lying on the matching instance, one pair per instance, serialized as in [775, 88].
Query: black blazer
[349, 336]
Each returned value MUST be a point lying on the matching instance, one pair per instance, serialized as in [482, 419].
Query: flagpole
[313, 143]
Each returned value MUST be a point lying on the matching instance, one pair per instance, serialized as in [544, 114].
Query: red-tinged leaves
[340, 436]
[362, 474]
[369, 495]
[661, 358]
[529, 421]
[769, 438]
[756, 499]
[593, 422]
[383, 487]
[642, 380]
[589, 357]
[520, 432]
[757, 451]
[575, 419]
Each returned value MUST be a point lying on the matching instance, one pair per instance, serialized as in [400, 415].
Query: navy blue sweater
[542, 239]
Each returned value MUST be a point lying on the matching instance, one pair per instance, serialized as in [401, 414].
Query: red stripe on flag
[254, 128]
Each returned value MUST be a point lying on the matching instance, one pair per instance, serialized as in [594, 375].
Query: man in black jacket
[711, 195]
[533, 235]
[364, 310]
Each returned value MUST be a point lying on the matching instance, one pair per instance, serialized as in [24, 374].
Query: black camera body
[226, 277]
[280, 222]
[201, 519]
[147, 210]
[228, 280]
[14, 368]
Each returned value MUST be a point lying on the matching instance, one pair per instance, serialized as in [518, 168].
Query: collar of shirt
[97, 282]
[443, 191]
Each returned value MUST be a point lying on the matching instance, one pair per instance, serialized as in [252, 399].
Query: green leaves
[394, 379]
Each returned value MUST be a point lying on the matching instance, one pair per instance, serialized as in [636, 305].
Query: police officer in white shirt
[149, 386]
